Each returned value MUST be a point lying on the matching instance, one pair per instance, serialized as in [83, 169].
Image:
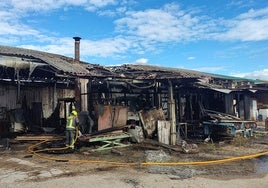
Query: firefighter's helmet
[74, 112]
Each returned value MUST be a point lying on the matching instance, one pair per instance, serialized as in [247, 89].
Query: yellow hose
[36, 153]
[217, 161]
[30, 149]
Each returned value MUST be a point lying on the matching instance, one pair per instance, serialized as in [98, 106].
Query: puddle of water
[261, 164]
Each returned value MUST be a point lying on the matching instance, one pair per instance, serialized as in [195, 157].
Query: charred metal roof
[97, 70]
[135, 71]
[62, 65]
[154, 72]
[206, 80]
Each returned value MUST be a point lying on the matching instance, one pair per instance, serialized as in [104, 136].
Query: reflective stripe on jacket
[71, 123]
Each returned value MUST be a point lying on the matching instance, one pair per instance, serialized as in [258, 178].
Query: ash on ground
[175, 172]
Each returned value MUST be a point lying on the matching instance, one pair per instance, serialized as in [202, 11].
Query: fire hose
[32, 150]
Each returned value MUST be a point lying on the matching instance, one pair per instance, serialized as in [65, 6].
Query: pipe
[76, 49]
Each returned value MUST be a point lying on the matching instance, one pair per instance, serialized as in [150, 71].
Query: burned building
[194, 104]
[39, 89]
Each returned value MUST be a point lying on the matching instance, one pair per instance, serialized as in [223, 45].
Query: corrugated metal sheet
[8, 96]
[59, 62]
[44, 95]
[163, 131]
[111, 116]
[149, 72]
[149, 120]
[104, 117]
[66, 65]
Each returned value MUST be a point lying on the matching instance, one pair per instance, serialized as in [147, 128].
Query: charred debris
[38, 91]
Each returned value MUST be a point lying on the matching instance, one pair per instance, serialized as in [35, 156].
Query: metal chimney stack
[76, 49]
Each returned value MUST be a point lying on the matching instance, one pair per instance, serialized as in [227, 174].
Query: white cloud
[29, 5]
[259, 74]
[64, 46]
[101, 48]
[190, 58]
[141, 61]
[105, 47]
[139, 31]
[16, 29]
[241, 3]
[160, 25]
[9, 40]
[249, 26]
[7, 15]
[92, 5]
[254, 13]
[172, 24]
[113, 12]
[47, 5]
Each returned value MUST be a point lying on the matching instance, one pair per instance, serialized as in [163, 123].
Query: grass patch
[210, 147]
[241, 141]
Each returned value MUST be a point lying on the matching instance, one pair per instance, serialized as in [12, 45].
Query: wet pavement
[261, 164]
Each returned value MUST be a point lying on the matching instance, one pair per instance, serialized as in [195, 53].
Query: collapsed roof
[200, 79]
[32, 64]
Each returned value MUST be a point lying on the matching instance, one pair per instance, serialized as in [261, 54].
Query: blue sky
[228, 37]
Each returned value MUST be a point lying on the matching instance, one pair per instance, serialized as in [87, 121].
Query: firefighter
[71, 129]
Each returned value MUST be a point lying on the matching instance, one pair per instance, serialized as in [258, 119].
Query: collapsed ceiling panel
[20, 63]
